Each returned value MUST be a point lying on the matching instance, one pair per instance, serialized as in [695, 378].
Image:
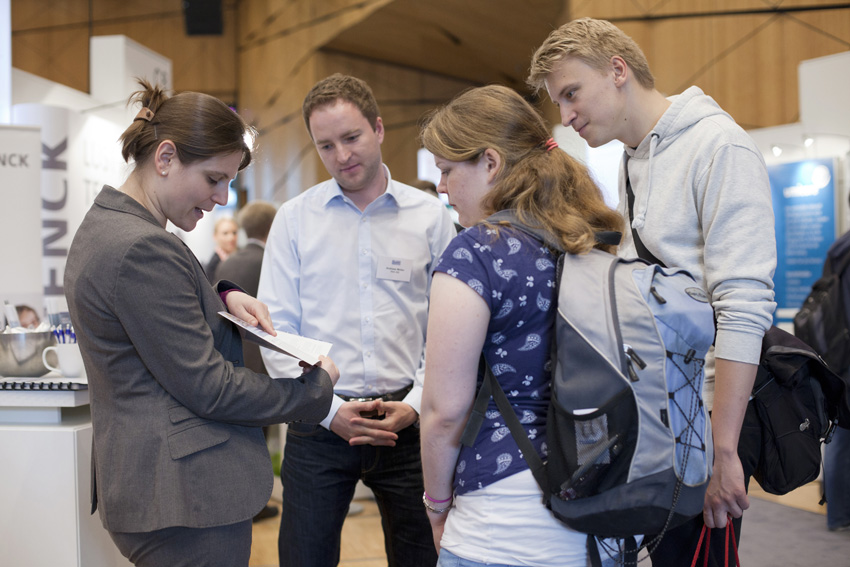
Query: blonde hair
[221, 220]
[593, 41]
[548, 189]
[201, 127]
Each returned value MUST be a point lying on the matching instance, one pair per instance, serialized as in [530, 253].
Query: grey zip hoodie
[702, 203]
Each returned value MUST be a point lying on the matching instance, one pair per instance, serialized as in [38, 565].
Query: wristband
[425, 495]
[428, 504]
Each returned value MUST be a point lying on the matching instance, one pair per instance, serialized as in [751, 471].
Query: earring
[163, 173]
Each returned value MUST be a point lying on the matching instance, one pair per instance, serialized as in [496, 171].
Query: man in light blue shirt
[349, 262]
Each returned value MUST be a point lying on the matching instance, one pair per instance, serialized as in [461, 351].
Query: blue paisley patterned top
[515, 275]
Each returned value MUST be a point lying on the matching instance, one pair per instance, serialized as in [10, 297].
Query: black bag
[799, 401]
[822, 321]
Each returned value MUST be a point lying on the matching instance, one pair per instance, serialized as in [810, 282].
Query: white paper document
[289, 344]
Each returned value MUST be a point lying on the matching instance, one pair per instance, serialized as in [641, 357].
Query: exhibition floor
[787, 531]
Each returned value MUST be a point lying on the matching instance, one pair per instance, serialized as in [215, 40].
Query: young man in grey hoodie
[700, 201]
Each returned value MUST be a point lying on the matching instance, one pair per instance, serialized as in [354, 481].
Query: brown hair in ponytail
[201, 127]
[548, 188]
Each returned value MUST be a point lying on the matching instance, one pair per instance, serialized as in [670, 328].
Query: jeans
[319, 474]
[836, 479]
[449, 559]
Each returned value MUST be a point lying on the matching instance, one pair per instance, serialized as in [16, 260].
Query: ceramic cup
[70, 360]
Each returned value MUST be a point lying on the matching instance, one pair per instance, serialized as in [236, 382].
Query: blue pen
[72, 334]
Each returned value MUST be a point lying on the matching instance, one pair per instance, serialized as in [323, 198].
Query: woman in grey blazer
[180, 466]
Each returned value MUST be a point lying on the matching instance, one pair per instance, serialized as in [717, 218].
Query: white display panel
[20, 215]
[5, 61]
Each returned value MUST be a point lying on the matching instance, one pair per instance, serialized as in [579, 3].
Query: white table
[45, 482]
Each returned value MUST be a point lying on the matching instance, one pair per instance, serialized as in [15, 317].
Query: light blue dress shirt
[359, 280]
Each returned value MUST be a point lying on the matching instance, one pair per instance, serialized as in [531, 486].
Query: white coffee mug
[70, 360]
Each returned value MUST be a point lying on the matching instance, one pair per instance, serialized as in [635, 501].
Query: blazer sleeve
[157, 298]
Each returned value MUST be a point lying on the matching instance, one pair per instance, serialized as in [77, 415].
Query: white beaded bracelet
[430, 506]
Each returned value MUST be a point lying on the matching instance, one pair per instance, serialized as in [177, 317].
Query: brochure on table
[289, 344]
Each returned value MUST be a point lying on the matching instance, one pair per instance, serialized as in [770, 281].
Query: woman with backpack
[492, 298]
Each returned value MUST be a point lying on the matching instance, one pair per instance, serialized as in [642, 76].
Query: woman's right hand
[438, 525]
[327, 365]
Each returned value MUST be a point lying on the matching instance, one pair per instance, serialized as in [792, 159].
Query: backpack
[822, 321]
[799, 402]
[629, 443]
[796, 399]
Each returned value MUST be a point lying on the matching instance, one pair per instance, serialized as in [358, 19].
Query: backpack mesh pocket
[594, 446]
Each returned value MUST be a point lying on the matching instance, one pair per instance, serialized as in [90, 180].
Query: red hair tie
[551, 144]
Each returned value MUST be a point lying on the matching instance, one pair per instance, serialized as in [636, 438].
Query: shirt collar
[333, 192]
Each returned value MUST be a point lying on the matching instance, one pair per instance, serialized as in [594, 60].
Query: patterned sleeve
[469, 258]
[514, 274]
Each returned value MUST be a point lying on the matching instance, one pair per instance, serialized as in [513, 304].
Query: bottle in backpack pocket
[595, 452]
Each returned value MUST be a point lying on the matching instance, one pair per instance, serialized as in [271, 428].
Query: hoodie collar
[685, 110]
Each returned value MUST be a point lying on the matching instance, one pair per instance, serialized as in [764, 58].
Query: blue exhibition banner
[804, 209]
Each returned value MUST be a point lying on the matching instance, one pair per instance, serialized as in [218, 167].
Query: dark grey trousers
[222, 546]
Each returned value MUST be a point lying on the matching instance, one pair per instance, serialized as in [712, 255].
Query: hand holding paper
[250, 310]
[296, 346]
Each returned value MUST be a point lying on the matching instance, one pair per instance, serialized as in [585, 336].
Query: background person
[348, 261]
[27, 316]
[426, 186]
[697, 188]
[179, 462]
[431, 189]
[836, 455]
[492, 294]
[242, 267]
[224, 235]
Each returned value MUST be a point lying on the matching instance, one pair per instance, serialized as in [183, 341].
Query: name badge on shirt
[395, 269]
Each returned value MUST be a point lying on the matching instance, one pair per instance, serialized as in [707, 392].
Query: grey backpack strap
[609, 237]
[510, 216]
[479, 408]
[491, 387]
[535, 463]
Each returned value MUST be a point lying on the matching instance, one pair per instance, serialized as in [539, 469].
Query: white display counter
[45, 481]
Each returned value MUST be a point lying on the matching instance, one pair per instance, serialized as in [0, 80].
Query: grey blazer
[176, 418]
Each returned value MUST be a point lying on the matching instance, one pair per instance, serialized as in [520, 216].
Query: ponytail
[199, 125]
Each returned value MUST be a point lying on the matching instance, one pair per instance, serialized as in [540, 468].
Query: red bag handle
[705, 534]
[730, 535]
